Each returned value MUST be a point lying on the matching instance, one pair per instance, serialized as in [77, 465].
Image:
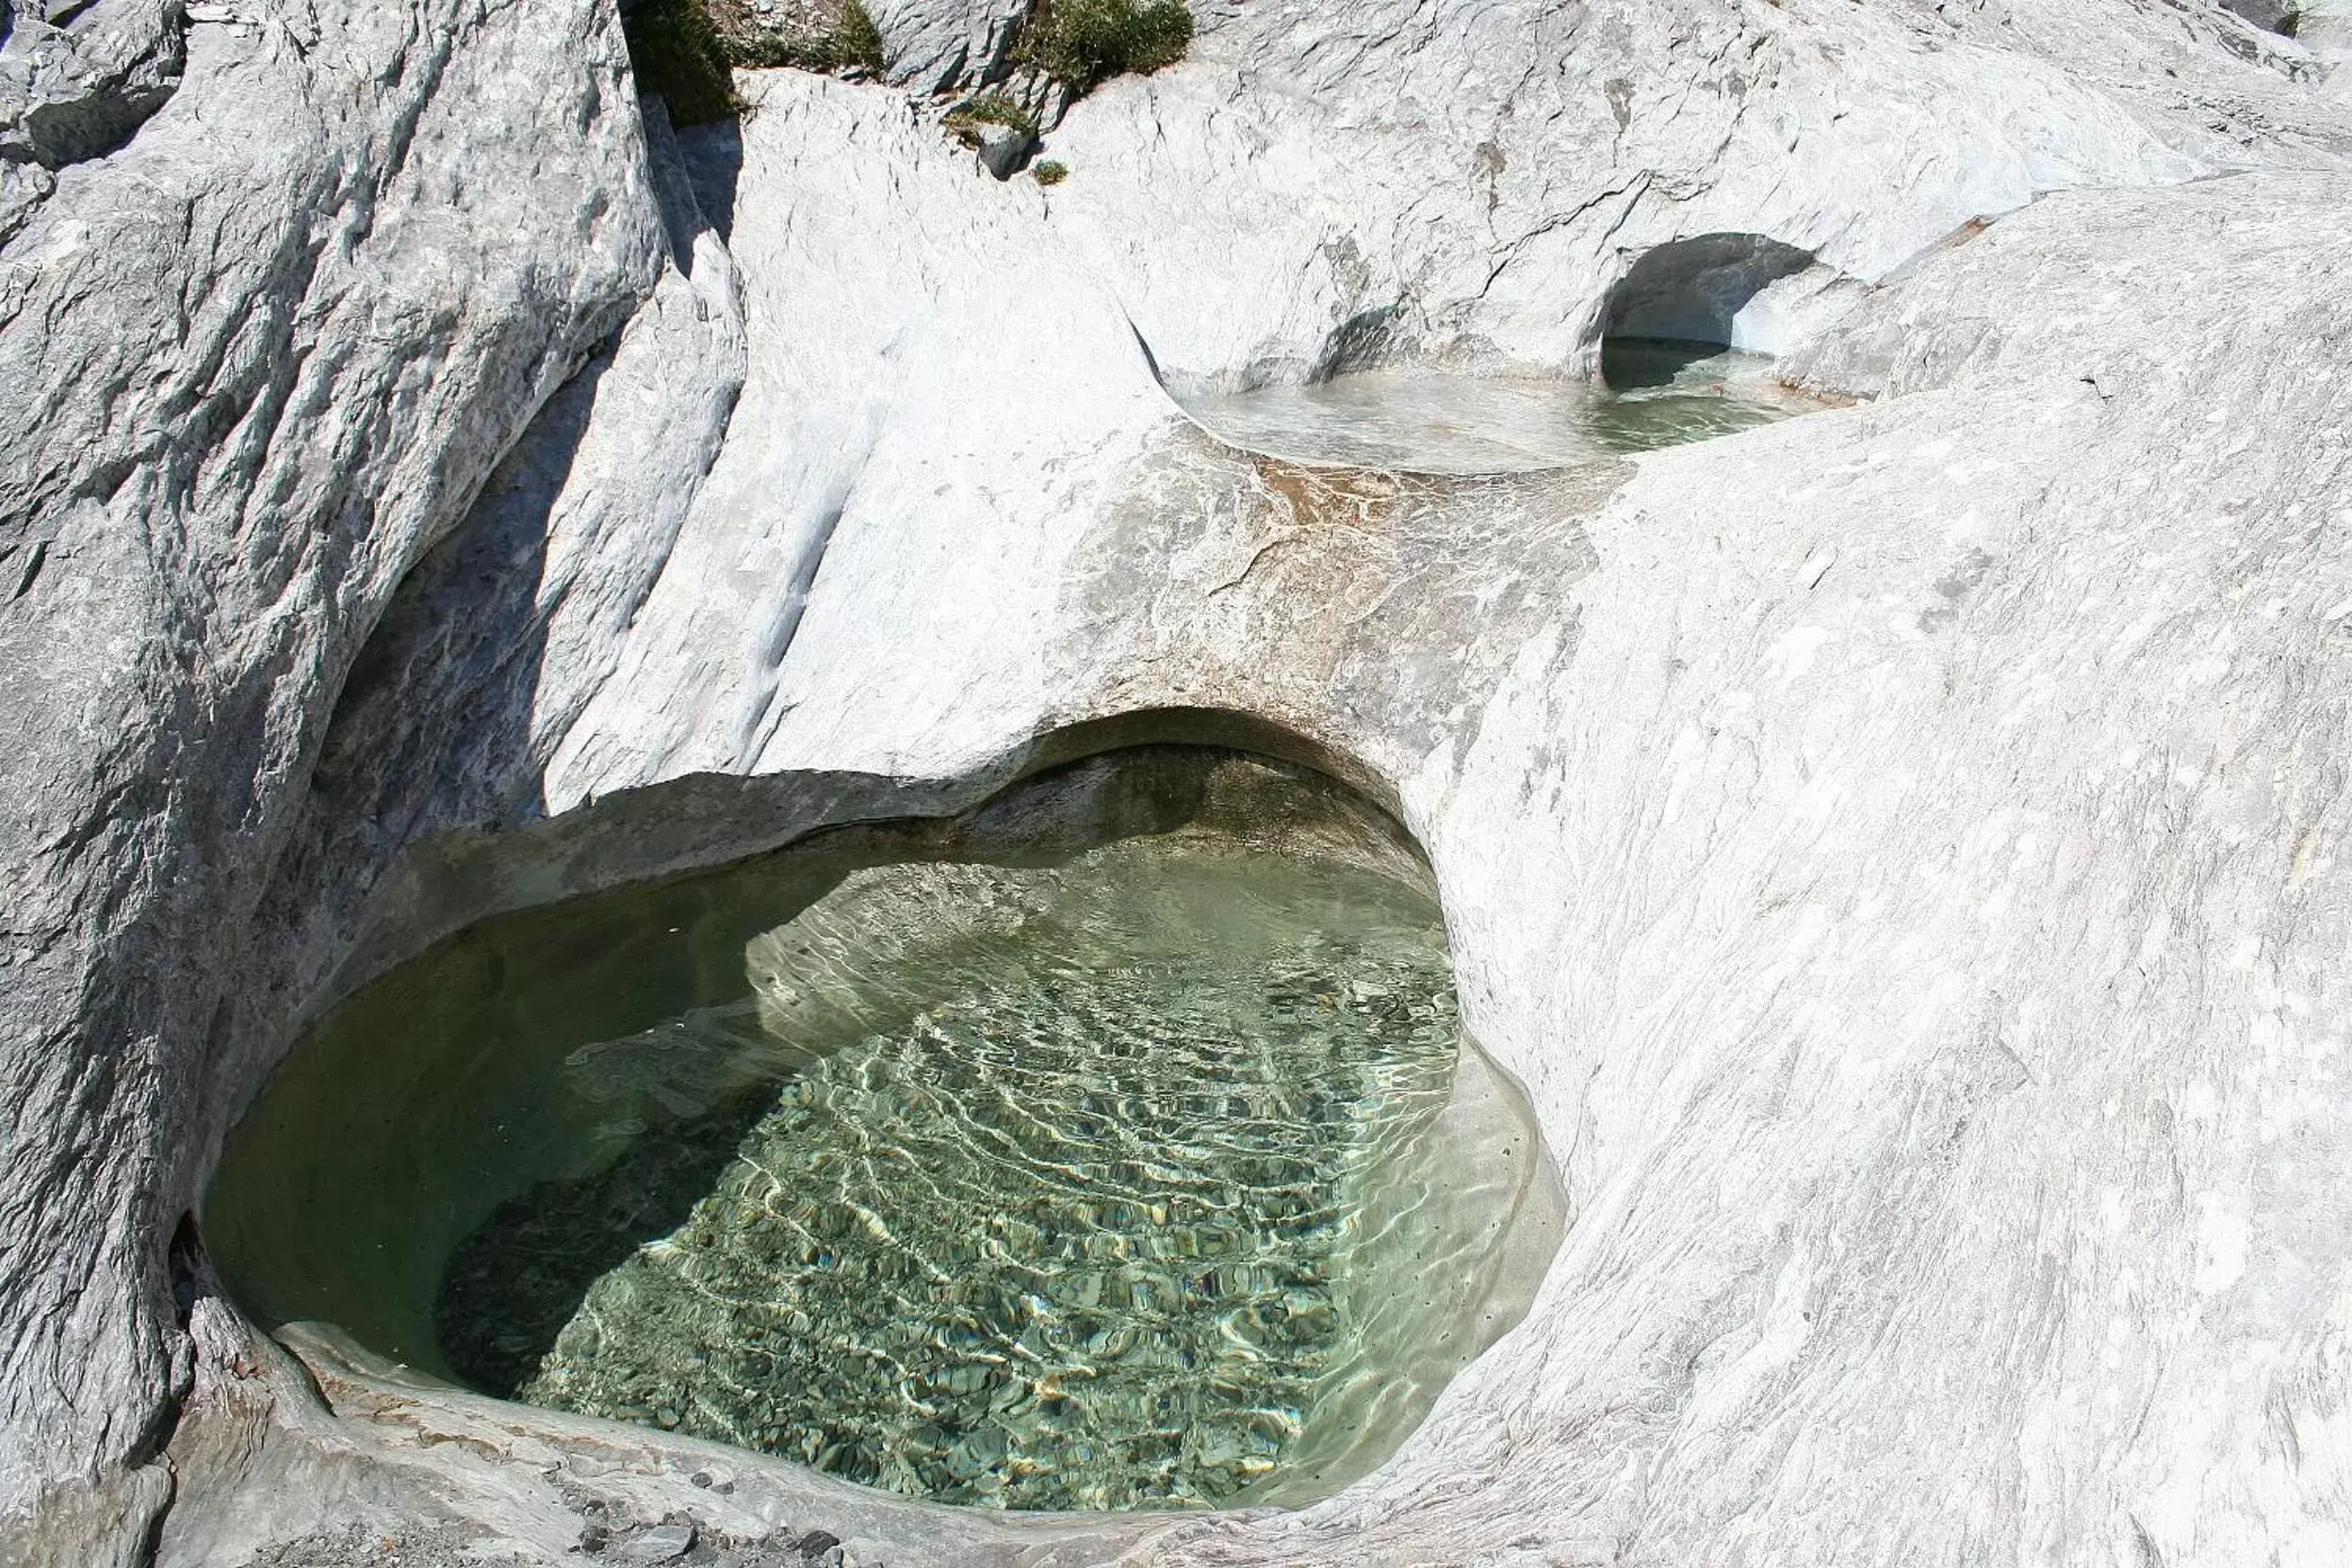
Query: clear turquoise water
[1151, 1175]
[1653, 394]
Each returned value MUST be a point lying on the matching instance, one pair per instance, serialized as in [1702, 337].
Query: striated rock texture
[76, 78]
[252, 365]
[939, 48]
[1897, 849]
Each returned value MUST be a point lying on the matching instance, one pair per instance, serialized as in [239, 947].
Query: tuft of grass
[678, 51]
[1084, 44]
[856, 39]
[966, 119]
[1050, 172]
[851, 43]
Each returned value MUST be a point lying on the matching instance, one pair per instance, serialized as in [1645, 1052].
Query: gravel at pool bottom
[1132, 1200]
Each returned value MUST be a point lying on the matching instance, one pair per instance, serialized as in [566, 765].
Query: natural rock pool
[1652, 394]
[1112, 1145]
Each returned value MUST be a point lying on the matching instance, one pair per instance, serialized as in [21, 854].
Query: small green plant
[1084, 44]
[1050, 172]
[967, 120]
[857, 40]
[851, 43]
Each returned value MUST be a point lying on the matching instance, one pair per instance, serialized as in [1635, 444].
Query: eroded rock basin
[1113, 1146]
[1652, 394]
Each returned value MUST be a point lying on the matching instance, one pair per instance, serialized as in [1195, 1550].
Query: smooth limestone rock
[1896, 848]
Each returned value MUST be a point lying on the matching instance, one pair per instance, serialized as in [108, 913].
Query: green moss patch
[1084, 44]
[967, 121]
[851, 43]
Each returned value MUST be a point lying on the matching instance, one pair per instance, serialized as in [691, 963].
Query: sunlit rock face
[1895, 849]
[256, 361]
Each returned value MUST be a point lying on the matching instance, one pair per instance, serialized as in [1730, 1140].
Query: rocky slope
[1896, 848]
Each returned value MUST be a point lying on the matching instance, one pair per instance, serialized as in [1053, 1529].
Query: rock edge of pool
[1111, 1145]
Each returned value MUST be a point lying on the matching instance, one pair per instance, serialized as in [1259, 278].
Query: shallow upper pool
[1114, 1145]
[1652, 394]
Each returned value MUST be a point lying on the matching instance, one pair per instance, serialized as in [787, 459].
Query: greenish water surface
[1652, 393]
[1146, 1169]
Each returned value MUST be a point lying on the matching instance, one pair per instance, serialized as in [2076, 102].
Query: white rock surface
[932, 47]
[2324, 27]
[1897, 849]
[251, 366]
